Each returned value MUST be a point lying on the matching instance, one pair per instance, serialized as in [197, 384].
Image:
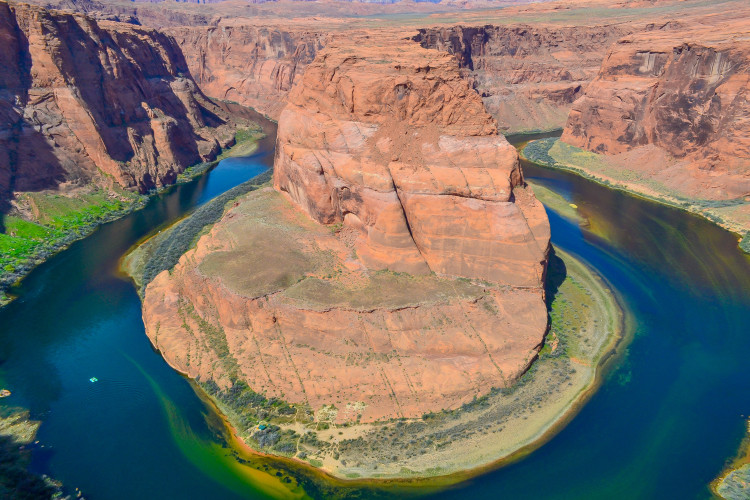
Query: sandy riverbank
[734, 481]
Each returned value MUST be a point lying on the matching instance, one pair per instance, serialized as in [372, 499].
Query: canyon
[668, 116]
[395, 271]
[86, 101]
[390, 282]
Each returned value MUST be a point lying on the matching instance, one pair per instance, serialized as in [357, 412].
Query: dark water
[661, 426]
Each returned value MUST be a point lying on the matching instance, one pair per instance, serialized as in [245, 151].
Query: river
[667, 416]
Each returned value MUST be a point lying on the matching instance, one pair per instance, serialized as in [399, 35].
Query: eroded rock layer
[392, 142]
[528, 76]
[686, 94]
[255, 66]
[278, 301]
[346, 290]
[79, 97]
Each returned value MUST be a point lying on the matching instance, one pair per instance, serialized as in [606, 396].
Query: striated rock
[529, 75]
[255, 66]
[685, 94]
[280, 302]
[391, 141]
[356, 293]
[79, 98]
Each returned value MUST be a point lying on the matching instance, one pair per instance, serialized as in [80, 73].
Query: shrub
[745, 243]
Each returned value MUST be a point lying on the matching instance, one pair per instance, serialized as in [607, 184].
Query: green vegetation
[745, 243]
[46, 222]
[255, 416]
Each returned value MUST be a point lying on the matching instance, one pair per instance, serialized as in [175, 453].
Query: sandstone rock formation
[685, 94]
[80, 97]
[255, 66]
[391, 141]
[418, 283]
[529, 75]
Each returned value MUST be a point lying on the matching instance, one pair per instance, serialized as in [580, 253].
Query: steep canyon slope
[398, 267]
[672, 111]
[253, 65]
[84, 100]
[528, 75]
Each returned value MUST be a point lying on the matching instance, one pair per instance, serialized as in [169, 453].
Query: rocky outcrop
[528, 75]
[418, 283]
[255, 66]
[79, 98]
[686, 94]
[391, 141]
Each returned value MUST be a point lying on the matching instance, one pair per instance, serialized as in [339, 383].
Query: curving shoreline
[518, 420]
[732, 215]
[734, 481]
[246, 143]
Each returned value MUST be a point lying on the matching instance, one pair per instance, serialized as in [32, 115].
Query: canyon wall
[686, 94]
[79, 98]
[397, 268]
[255, 66]
[528, 76]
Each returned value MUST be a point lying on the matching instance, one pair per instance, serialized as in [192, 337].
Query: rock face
[392, 142]
[686, 94]
[365, 312]
[255, 66]
[80, 97]
[528, 75]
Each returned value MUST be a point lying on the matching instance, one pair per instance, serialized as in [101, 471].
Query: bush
[745, 243]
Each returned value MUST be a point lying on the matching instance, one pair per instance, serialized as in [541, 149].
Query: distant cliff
[255, 66]
[79, 98]
[686, 94]
[528, 76]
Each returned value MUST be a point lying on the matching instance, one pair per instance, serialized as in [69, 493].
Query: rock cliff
[392, 142]
[405, 276]
[682, 99]
[255, 66]
[79, 98]
[529, 75]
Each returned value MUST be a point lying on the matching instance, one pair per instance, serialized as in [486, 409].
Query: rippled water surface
[661, 426]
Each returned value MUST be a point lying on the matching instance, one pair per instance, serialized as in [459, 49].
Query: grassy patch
[745, 243]
[247, 409]
[53, 221]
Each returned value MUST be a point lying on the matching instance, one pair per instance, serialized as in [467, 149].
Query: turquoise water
[661, 426]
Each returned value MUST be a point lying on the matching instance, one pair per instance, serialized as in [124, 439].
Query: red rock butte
[405, 276]
[388, 139]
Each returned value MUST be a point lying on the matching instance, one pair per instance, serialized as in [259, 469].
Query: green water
[661, 426]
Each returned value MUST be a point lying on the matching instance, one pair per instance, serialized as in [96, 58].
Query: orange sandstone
[350, 295]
